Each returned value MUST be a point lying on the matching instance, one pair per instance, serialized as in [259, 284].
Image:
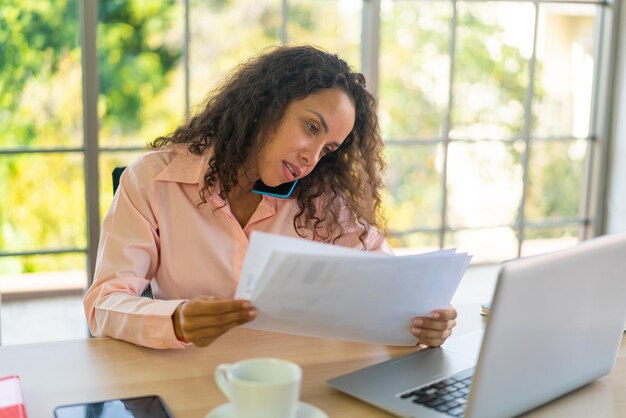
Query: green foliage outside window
[43, 204]
[142, 96]
[132, 64]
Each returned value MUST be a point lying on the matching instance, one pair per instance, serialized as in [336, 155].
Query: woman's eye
[326, 150]
[312, 128]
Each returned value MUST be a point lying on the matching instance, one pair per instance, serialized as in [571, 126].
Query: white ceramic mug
[261, 387]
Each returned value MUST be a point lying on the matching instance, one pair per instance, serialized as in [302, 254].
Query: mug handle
[221, 378]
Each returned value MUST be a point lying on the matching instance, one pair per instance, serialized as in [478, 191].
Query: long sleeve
[128, 257]
[158, 231]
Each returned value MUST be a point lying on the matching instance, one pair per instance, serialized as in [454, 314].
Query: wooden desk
[100, 368]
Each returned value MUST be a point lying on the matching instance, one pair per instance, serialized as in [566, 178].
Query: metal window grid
[592, 221]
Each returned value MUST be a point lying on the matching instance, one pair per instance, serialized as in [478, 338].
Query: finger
[444, 314]
[203, 342]
[205, 321]
[211, 332]
[202, 307]
[429, 334]
[195, 328]
[431, 342]
[426, 323]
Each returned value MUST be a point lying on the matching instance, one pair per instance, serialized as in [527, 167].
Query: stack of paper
[322, 290]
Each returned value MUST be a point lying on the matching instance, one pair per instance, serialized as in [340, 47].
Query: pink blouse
[155, 232]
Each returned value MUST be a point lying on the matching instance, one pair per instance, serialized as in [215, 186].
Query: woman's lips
[292, 172]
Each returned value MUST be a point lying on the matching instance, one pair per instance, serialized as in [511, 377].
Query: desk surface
[100, 368]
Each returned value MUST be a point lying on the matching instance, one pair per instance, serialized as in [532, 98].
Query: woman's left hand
[433, 331]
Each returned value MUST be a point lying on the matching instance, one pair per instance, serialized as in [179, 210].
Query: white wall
[616, 207]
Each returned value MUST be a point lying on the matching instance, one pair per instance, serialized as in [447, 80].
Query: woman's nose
[310, 156]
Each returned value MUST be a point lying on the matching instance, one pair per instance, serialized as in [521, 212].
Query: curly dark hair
[253, 101]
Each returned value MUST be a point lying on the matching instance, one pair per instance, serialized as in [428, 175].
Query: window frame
[592, 222]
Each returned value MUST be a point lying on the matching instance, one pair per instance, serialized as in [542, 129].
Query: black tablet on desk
[140, 407]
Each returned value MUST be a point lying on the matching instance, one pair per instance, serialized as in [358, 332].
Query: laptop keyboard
[448, 396]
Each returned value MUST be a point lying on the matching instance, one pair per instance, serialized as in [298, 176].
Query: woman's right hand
[201, 320]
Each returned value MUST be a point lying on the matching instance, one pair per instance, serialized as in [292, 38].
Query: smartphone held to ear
[282, 191]
[151, 406]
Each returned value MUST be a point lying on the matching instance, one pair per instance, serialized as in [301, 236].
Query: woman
[183, 213]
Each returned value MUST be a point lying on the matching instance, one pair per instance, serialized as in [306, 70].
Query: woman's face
[310, 128]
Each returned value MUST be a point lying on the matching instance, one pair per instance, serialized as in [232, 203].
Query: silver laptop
[555, 324]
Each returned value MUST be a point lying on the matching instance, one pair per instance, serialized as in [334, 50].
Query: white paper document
[322, 290]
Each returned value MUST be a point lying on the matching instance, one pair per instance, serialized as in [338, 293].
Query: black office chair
[117, 173]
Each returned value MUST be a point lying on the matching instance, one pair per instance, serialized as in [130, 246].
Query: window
[42, 208]
[488, 110]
